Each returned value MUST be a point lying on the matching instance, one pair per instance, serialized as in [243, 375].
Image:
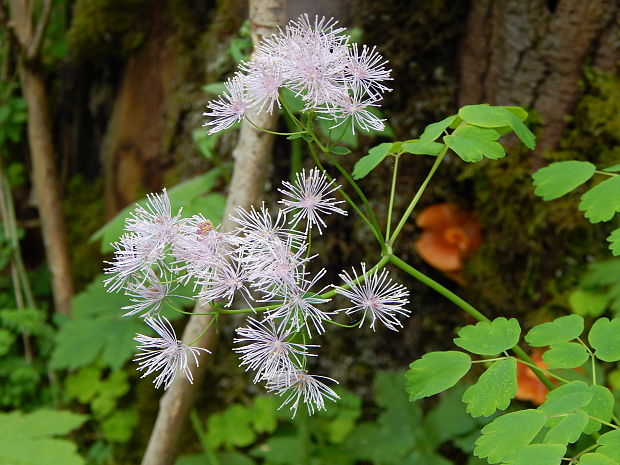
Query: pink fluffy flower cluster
[338, 80]
[264, 263]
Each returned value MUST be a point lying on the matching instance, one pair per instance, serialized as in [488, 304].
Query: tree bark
[251, 154]
[44, 177]
[522, 52]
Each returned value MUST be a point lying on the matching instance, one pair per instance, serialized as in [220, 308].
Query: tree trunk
[528, 53]
[44, 177]
[251, 155]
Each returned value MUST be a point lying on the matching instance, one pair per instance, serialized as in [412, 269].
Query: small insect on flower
[166, 353]
[268, 351]
[309, 199]
[376, 297]
[305, 388]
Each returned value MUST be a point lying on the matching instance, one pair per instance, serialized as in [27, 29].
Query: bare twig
[251, 155]
[35, 44]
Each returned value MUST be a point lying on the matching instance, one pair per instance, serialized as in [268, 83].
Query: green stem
[547, 372]
[489, 360]
[463, 305]
[275, 133]
[202, 436]
[417, 196]
[345, 174]
[391, 205]
[606, 173]
[348, 199]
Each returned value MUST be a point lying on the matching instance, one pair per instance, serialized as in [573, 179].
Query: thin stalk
[202, 436]
[392, 190]
[348, 199]
[547, 372]
[345, 174]
[469, 309]
[275, 133]
[212, 320]
[417, 195]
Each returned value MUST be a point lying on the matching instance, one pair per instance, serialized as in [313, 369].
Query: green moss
[83, 209]
[534, 250]
[104, 28]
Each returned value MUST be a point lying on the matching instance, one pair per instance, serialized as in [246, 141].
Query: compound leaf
[421, 147]
[29, 438]
[496, 117]
[609, 444]
[493, 390]
[563, 329]
[614, 239]
[567, 398]
[472, 143]
[594, 458]
[369, 162]
[568, 430]
[604, 337]
[602, 201]
[560, 178]
[601, 406]
[509, 433]
[434, 130]
[565, 355]
[435, 372]
[540, 454]
[489, 338]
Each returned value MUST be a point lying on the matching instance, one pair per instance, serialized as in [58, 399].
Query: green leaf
[84, 384]
[448, 420]
[567, 398]
[264, 417]
[539, 454]
[601, 406]
[493, 390]
[614, 239]
[565, 355]
[563, 329]
[435, 372]
[340, 150]
[231, 427]
[29, 439]
[472, 143]
[181, 196]
[560, 178]
[97, 331]
[215, 88]
[489, 338]
[419, 147]
[281, 450]
[604, 337]
[119, 426]
[612, 169]
[609, 444]
[495, 117]
[588, 303]
[509, 433]
[369, 162]
[434, 130]
[602, 201]
[594, 458]
[568, 430]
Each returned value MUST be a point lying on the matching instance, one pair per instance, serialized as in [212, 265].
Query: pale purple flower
[267, 350]
[259, 228]
[227, 279]
[154, 219]
[299, 306]
[353, 105]
[366, 70]
[165, 353]
[147, 296]
[309, 198]
[376, 297]
[263, 80]
[230, 107]
[302, 387]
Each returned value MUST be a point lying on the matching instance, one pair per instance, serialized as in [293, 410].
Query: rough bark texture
[132, 151]
[42, 154]
[522, 52]
[251, 155]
